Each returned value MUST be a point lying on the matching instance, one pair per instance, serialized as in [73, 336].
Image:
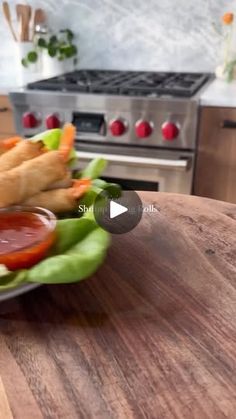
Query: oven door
[165, 171]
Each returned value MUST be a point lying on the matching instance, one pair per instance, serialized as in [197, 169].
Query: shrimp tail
[80, 187]
[11, 142]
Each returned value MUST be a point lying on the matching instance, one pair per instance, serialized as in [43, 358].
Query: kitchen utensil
[24, 13]
[41, 29]
[39, 22]
[7, 14]
[28, 14]
[18, 15]
[21, 20]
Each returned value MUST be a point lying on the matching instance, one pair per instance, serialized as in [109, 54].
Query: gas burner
[125, 83]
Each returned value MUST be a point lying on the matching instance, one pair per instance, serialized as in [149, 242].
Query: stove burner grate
[126, 83]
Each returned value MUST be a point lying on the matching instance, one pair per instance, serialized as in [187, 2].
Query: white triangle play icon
[116, 209]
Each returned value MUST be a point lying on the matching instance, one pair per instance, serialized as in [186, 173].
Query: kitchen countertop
[219, 93]
[152, 334]
[5, 89]
[9, 84]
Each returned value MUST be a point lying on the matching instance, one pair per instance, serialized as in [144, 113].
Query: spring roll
[23, 151]
[31, 177]
[62, 184]
[2, 150]
[60, 200]
[8, 143]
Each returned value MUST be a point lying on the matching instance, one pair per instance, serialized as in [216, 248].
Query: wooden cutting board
[151, 335]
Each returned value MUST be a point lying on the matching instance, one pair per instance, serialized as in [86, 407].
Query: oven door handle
[165, 164]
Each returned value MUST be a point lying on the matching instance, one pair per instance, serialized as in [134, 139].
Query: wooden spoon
[28, 14]
[7, 14]
[20, 19]
[39, 19]
[24, 15]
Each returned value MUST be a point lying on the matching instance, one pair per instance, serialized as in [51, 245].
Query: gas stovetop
[125, 83]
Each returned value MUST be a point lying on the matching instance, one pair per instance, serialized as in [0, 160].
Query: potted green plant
[58, 53]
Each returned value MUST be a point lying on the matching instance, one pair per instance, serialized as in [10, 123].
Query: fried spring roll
[2, 150]
[62, 184]
[60, 200]
[8, 143]
[31, 177]
[23, 151]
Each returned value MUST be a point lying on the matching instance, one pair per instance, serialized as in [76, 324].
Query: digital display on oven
[89, 123]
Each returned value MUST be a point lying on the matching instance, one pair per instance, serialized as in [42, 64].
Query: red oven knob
[52, 122]
[170, 131]
[117, 128]
[29, 120]
[143, 129]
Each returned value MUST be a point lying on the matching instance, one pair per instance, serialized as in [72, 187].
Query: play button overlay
[116, 209]
[118, 214]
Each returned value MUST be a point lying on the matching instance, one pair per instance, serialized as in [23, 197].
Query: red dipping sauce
[26, 235]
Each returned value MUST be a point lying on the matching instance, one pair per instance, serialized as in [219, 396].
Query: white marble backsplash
[134, 34]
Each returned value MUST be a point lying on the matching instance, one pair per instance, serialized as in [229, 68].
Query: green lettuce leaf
[51, 139]
[12, 280]
[70, 232]
[80, 249]
[77, 263]
[94, 169]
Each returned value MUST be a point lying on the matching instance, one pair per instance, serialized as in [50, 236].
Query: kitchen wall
[134, 34]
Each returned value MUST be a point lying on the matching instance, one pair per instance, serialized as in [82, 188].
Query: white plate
[22, 289]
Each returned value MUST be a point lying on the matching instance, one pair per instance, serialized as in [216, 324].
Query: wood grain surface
[5, 412]
[215, 172]
[151, 335]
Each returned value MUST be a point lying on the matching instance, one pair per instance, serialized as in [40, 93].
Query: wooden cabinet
[215, 174]
[7, 127]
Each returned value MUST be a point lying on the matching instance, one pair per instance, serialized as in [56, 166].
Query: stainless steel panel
[131, 109]
[142, 162]
[172, 171]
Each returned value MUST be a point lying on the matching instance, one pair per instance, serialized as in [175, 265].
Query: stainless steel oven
[143, 123]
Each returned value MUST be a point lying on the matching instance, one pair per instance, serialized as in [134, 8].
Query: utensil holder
[26, 74]
[52, 66]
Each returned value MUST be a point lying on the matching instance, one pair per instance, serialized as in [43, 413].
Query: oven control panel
[118, 129]
[145, 124]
